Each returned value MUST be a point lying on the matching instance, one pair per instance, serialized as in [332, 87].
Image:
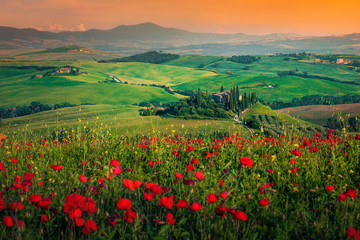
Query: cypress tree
[222, 88]
[245, 100]
[198, 97]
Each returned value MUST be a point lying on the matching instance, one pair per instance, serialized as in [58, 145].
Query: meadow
[91, 181]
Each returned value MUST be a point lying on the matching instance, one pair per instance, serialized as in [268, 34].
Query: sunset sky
[308, 17]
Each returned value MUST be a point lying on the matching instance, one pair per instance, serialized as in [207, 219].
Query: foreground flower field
[84, 185]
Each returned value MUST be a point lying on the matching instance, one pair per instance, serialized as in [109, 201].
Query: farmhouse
[63, 70]
[222, 96]
[38, 76]
[343, 61]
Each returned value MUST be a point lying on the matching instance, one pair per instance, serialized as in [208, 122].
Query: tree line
[245, 59]
[314, 100]
[34, 107]
[148, 57]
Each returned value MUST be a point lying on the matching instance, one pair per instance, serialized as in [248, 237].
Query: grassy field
[286, 88]
[319, 114]
[272, 65]
[90, 181]
[123, 119]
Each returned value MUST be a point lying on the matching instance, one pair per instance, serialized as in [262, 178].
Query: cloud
[81, 27]
[59, 28]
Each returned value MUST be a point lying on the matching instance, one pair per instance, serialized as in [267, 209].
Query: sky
[306, 17]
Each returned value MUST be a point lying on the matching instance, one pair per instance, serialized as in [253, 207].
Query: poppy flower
[263, 202]
[34, 199]
[155, 189]
[29, 176]
[151, 163]
[269, 170]
[239, 215]
[90, 225]
[292, 161]
[199, 176]
[82, 178]
[44, 218]
[195, 161]
[2, 168]
[79, 221]
[114, 163]
[166, 202]
[57, 167]
[16, 206]
[220, 211]
[211, 198]
[116, 171]
[148, 196]
[124, 204]
[132, 185]
[224, 195]
[2, 204]
[329, 188]
[246, 161]
[195, 207]
[178, 175]
[181, 204]
[170, 218]
[342, 197]
[14, 160]
[296, 152]
[352, 233]
[20, 224]
[351, 193]
[190, 167]
[8, 221]
[188, 181]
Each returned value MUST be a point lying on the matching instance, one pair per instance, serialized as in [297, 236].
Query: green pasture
[286, 88]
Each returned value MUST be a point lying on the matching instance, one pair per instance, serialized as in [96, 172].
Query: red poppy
[263, 202]
[16, 206]
[90, 224]
[132, 185]
[170, 218]
[2, 204]
[20, 224]
[13, 160]
[246, 161]
[351, 193]
[34, 199]
[148, 196]
[329, 188]
[178, 175]
[151, 163]
[181, 204]
[342, 197]
[296, 152]
[224, 195]
[8, 221]
[56, 167]
[29, 176]
[114, 163]
[239, 215]
[155, 189]
[124, 204]
[188, 181]
[211, 198]
[292, 161]
[352, 233]
[190, 167]
[199, 176]
[79, 221]
[195, 207]
[116, 171]
[2, 168]
[166, 202]
[44, 218]
[82, 178]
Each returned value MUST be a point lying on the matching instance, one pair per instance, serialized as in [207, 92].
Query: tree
[222, 88]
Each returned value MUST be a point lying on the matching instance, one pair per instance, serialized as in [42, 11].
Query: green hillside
[69, 52]
[281, 88]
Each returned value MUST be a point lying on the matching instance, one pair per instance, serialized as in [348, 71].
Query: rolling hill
[148, 36]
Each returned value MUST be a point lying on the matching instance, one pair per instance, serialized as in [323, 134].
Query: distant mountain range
[148, 36]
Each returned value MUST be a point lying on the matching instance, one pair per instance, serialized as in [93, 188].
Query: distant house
[343, 61]
[222, 96]
[38, 76]
[63, 70]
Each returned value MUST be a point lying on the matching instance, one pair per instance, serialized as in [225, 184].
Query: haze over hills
[148, 36]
